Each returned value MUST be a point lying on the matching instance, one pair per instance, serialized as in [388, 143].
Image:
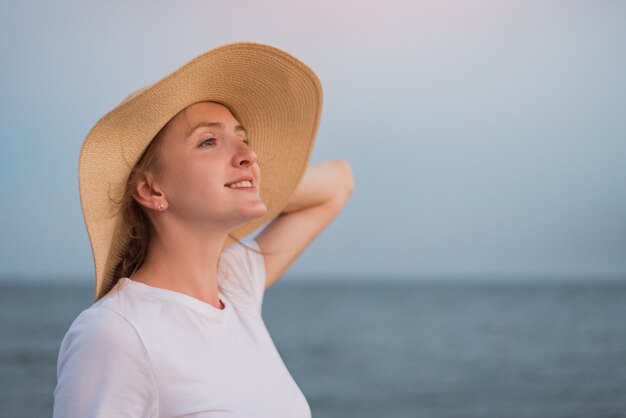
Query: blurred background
[479, 268]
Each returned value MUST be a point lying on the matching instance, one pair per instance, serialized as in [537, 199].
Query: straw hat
[274, 95]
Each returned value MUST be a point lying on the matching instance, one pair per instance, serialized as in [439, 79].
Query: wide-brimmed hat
[274, 95]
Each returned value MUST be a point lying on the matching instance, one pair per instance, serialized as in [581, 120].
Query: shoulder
[242, 274]
[104, 332]
[247, 247]
[242, 258]
[102, 335]
[103, 368]
[98, 331]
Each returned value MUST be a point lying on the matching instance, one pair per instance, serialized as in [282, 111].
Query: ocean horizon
[387, 349]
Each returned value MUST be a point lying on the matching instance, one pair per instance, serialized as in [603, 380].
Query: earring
[161, 207]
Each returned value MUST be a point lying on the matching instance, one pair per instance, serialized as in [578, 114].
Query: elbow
[347, 179]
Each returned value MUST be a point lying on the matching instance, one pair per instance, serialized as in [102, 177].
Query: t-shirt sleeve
[103, 369]
[242, 275]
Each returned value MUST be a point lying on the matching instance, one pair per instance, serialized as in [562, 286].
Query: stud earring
[161, 207]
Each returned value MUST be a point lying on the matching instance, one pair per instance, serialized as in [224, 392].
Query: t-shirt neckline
[181, 298]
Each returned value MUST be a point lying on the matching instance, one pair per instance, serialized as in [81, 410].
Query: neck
[184, 260]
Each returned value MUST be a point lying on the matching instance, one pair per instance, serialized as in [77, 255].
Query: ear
[148, 193]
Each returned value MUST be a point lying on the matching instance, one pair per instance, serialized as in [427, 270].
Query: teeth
[245, 183]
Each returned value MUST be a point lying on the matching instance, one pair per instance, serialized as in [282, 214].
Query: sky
[487, 138]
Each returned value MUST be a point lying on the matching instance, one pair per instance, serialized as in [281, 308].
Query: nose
[244, 156]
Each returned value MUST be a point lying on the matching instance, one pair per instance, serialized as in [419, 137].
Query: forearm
[317, 200]
[321, 183]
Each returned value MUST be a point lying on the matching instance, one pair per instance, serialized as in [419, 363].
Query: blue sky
[487, 138]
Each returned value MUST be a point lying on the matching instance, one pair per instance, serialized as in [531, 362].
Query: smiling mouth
[244, 184]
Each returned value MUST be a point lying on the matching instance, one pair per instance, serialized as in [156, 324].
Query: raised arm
[318, 198]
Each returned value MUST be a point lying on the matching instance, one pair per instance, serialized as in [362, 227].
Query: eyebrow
[220, 125]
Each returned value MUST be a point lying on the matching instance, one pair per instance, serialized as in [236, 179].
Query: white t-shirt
[142, 351]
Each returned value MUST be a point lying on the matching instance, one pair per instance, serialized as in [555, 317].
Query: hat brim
[274, 95]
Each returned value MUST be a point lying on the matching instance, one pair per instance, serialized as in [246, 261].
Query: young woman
[171, 181]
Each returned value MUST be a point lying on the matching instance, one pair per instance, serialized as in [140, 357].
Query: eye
[209, 142]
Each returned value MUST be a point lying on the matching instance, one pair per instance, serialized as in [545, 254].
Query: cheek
[185, 179]
[174, 174]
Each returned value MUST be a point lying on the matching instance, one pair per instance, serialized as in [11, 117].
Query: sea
[387, 349]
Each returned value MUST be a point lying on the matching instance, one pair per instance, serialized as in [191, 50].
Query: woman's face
[204, 151]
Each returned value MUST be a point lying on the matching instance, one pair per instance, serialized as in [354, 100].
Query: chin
[255, 212]
[248, 217]
[261, 211]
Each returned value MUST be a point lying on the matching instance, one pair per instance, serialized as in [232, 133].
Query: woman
[171, 181]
